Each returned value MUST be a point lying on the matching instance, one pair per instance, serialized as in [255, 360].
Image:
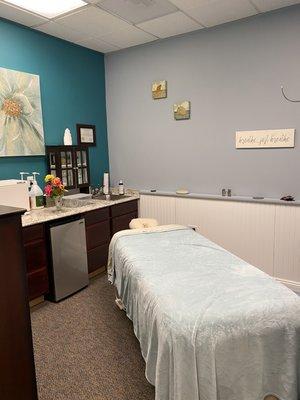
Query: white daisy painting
[21, 121]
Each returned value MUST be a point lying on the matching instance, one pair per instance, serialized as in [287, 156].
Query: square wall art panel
[182, 110]
[159, 90]
[21, 121]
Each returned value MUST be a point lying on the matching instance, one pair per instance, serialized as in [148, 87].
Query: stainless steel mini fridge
[69, 258]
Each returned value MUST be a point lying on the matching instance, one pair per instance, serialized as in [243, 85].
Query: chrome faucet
[96, 190]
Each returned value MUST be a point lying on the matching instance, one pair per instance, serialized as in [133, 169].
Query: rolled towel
[138, 223]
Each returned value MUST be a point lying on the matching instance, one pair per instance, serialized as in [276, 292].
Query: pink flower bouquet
[54, 187]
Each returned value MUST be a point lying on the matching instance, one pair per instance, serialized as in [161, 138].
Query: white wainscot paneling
[245, 229]
[159, 207]
[287, 246]
[265, 235]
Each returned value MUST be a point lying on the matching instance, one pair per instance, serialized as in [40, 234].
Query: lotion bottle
[36, 194]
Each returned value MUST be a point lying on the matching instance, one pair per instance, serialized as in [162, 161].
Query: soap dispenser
[36, 194]
[22, 175]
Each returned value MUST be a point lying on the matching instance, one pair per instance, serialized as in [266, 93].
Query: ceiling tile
[93, 22]
[20, 16]
[266, 5]
[98, 45]
[170, 25]
[187, 4]
[54, 29]
[138, 11]
[215, 12]
[131, 36]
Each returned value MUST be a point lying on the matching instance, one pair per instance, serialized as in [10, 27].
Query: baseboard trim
[97, 272]
[295, 286]
[36, 301]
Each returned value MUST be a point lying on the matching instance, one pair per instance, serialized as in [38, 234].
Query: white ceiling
[110, 25]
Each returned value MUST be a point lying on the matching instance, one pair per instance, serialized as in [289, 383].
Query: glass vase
[58, 200]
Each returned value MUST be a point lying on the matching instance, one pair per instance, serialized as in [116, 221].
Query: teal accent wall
[72, 83]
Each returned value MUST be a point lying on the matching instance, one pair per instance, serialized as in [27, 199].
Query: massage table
[210, 326]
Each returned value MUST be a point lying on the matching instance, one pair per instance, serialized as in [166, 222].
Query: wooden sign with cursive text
[265, 139]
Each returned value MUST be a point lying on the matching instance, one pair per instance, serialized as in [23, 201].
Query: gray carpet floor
[85, 349]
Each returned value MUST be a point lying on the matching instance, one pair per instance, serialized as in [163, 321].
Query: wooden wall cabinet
[71, 164]
[35, 246]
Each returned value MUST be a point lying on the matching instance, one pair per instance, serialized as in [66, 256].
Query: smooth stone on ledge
[243, 199]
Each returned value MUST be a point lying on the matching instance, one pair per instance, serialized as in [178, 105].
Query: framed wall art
[21, 121]
[86, 134]
[182, 110]
[159, 90]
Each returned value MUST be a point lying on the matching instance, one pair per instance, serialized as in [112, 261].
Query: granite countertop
[51, 213]
[245, 199]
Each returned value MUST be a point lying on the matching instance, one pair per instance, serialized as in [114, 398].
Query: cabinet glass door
[85, 179]
[82, 167]
[67, 168]
[53, 163]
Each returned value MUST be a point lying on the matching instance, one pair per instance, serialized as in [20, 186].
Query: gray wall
[232, 75]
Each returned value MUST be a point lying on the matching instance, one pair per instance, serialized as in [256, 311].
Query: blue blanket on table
[210, 326]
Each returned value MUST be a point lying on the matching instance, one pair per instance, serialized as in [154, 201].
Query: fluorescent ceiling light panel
[48, 8]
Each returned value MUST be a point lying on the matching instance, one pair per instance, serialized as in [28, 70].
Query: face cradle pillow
[140, 223]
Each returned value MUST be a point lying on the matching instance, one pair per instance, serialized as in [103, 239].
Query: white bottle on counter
[106, 183]
[36, 194]
[121, 187]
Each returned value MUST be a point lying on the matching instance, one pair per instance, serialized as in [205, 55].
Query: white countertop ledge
[244, 199]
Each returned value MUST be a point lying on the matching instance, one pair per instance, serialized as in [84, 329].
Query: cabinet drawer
[35, 255]
[97, 234]
[32, 233]
[38, 284]
[92, 217]
[122, 222]
[97, 257]
[124, 208]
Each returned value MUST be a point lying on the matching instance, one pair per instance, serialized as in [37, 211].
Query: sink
[109, 196]
[75, 203]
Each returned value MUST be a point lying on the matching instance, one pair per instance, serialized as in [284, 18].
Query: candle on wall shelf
[67, 137]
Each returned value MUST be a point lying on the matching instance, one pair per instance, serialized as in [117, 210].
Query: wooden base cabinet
[17, 377]
[97, 238]
[101, 225]
[122, 214]
[35, 246]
